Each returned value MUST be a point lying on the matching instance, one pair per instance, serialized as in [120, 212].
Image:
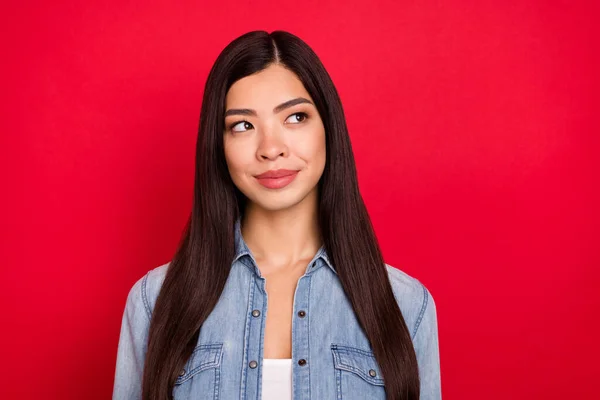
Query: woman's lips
[276, 179]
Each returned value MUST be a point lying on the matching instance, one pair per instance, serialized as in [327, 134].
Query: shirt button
[255, 313]
[372, 372]
[302, 361]
[301, 313]
[253, 364]
[182, 373]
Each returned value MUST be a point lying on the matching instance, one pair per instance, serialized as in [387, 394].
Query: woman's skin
[280, 226]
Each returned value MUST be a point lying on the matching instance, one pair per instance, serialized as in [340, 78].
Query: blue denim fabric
[338, 362]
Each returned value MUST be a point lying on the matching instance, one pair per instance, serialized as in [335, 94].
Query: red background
[476, 148]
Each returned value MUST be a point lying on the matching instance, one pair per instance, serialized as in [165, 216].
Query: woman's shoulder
[155, 278]
[145, 290]
[413, 297]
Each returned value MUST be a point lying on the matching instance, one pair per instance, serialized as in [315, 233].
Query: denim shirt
[331, 355]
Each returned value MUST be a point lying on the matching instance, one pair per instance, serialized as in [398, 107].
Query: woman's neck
[282, 237]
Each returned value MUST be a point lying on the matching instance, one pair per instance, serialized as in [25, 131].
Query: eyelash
[232, 125]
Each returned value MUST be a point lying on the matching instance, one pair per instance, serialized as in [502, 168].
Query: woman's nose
[271, 145]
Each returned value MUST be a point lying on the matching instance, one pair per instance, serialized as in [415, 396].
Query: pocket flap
[359, 361]
[203, 357]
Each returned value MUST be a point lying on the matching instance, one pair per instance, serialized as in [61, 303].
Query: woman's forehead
[265, 89]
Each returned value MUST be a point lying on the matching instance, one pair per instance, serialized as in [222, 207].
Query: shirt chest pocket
[357, 374]
[201, 375]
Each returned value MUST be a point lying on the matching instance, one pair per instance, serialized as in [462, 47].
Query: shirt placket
[253, 340]
[301, 361]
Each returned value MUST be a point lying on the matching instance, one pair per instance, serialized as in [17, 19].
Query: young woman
[278, 289]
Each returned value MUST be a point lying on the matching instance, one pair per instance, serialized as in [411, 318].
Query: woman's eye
[244, 124]
[294, 117]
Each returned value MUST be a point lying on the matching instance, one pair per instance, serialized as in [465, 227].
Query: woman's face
[263, 132]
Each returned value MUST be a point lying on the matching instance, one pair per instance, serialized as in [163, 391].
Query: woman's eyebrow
[279, 108]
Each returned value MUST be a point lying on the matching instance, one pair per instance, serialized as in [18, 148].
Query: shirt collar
[242, 250]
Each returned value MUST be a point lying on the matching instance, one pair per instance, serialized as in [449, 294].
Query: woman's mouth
[276, 179]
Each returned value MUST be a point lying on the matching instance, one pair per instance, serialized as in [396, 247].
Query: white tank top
[277, 379]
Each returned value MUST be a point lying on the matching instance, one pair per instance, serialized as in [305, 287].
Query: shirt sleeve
[427, 349]
[132, 346]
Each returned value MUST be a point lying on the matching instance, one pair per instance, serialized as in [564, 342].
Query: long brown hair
[199, 269]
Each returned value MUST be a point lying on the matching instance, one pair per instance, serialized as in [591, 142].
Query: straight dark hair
[199, 269]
